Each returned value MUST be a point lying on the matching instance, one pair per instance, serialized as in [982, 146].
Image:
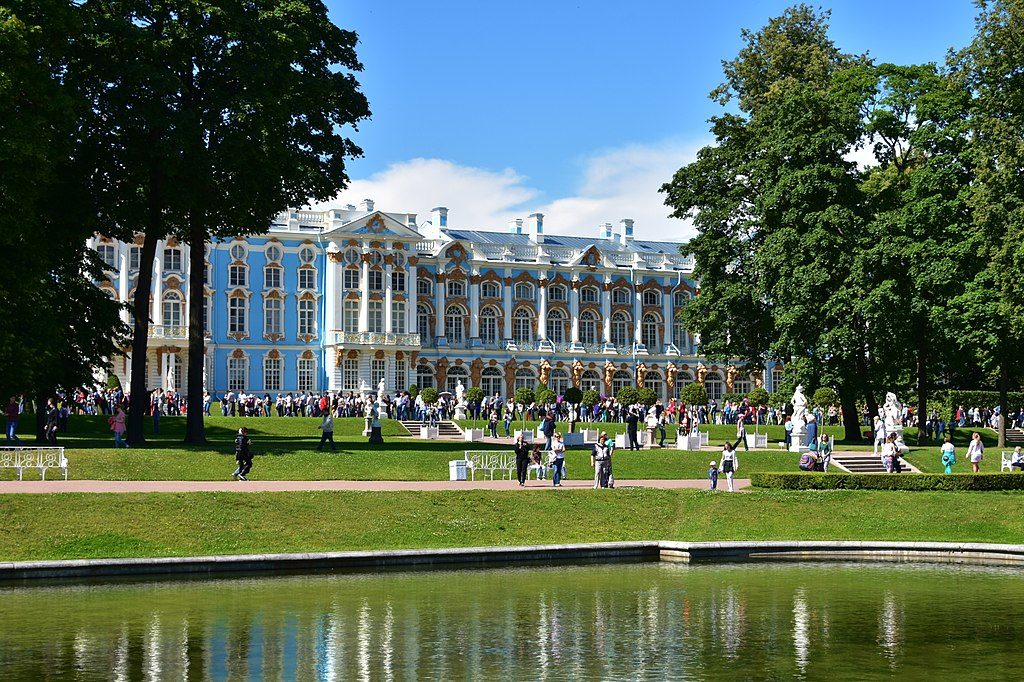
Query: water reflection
[636, 621]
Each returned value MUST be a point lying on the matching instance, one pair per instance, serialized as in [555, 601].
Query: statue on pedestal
[798, 436]
[364, 387]
[892, 415]
[460, 400]
[380, 392]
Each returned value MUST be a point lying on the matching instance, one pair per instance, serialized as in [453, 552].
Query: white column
[158, 266]
[187, 302]
[439, 285]
[637, 311]
[411, 300]
[389, 296]
[666, 312]
[542, 308]
[474, 309]
[332, 297]
[606, 311]
[507, 304]
[364, 294]
[574, 309]
[122, 282]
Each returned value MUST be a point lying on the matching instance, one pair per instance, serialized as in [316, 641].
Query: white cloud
[612, 184]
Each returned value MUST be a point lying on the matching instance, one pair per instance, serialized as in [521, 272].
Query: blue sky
[576, 109]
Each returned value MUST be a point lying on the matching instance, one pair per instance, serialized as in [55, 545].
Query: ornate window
[555, 326]
[237, 252]
[172, 307]
[350, 278]
[398, 317]
[306, 255]
[350, 374]
[307, 375]
[134, 258]
[172, 259]
[620, 296]
[556, 293]
[682, 378]
[525, 378]
[238, 314]
[620, 380]
[378, 372]
[273, 316]
[454, 327]
[456, 373]
[490, 290]
[650, 324]
[776, 378]
[523, 291]
[350, 316]
[652, 297]
[307, 278]
[106, 253]
[273, 253]
[558, 381]
[489, 325]
[742, 384]
[456, 288]
[206, 312]
[307, 317]
[654, 382]
[376, 258]
[397, 280]
[423, 322]
[424, 377]
[590, 380]
[522, 327]
[680, 299]
[398, 260]
[588, 327]
[491, 381]
[352, 257]
[376, 321]
[376, 280]
[589, 294]
[238, 275]
[401, 376]
[237, 371]
[714, 385]
[680, 335]
[424, 287]
[621, 324]
[273, 276]
[272, 374]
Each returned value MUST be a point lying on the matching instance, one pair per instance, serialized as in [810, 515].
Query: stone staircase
[446, 430]
[865, 462]
[1015, 436]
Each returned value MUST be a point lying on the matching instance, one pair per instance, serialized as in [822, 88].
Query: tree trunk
[195, 430]
[40, 418]
[1004, 387]
[851, 420]
[922, 391]
[138, 402]
[862, 373]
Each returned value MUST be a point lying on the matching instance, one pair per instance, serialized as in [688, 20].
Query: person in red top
[13, 414]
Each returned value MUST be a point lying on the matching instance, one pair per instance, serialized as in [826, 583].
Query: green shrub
[474, 394]
[825, 397]
[524, 395]
[693, 394]
[731, 398]
[591, 397]
[627, 395]
[113, 382]
[646, 396]
[819, 481]
[573, 395]
[758, 396]
[414, 391]
[545, 396]
[430, 396]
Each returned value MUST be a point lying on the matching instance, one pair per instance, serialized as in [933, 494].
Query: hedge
[981, 399]
[818, 481]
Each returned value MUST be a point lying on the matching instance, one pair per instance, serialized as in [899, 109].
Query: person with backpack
[243, 454]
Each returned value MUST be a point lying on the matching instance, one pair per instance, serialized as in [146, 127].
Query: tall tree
[992, 69]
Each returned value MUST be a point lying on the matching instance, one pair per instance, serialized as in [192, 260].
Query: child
[713, 474]
[948, 455]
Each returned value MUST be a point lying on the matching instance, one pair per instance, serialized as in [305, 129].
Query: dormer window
[524, 291]
[652, 297]
[490, 290]
[456, 288]
[620, 296]
[589, 294]
[556, 293]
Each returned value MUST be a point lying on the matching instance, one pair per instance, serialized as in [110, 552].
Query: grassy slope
[41, 527]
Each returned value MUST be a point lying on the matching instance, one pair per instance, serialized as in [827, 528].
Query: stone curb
[670, 551]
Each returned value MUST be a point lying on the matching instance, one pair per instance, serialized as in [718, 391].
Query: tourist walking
[508, 422]
[713, 474]
[557, 460]
[601, 459]
[52, 422]
[117, 425]
[547, 427]
[741, 433]
[730, 463]
[522, 450]
[327, 432]
[13, 414]
[825, 452]
[878, 429]
[243, 454]
[631, 423]
[948, 455]
[492, 423]
[976, 452]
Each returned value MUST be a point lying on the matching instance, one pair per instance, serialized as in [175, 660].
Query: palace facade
[325, 299]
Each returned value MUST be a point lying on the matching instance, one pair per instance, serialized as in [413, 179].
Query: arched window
[524, 291]
[489, 325]
[620, 380]
[491, 381]
[649, 326]
[680, 335]
[424, 377]
[376, 258]
[423, 322]
[588, 327]
[456, 373]
[589, 294]
[652, 297]
[714, 385]
[682, 378]
[681, 298]
[525, 378]
[306, 255]
[742, 384]
[590, 380]
[522, 327]
[456, 288]
[621, 324]
[273, 253]
[556, 326]
[556, 293]
[490, 290]
[620, 296]
[352, 257]
[558, 381]
[424, 287]
[238, 252]
[654, 382]
[172, 309]
[454, 325]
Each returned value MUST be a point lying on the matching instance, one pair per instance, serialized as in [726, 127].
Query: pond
[604, 621]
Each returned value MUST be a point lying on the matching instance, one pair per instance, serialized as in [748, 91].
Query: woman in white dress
[975, 452]
[730, 464]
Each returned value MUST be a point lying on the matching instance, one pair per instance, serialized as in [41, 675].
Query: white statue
[380, 392]
[892, 416]
[459, 391]
[799, 418]
[364, 387]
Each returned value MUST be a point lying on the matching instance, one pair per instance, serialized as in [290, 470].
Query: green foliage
[524, 395]
[573, 395]
[646, 396]
[980, 399]
[825, 397]
[627, 395]
[414, 391]
[758, 396]
[693, 395]
[113, 382]
[952, 482]
[731, 398]
[545, 396]
[591, 397]
[474, 394]
[429, 395]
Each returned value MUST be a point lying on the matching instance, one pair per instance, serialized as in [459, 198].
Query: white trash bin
[457, 469]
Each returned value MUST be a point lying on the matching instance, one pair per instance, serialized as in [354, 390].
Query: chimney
[350, 207]
[625, 233]
[366, 205]
[606, 231]
[515, 226]
[439, 217]
[535, 227]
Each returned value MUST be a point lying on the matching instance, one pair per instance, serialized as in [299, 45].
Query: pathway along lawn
[70, 526]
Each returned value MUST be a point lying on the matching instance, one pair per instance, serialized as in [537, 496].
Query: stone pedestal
[798, 442]
[375, 437]
[367, 429]
[652, 440]
[460, 411]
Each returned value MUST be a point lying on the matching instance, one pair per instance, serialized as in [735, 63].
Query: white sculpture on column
[892, 415]
[460, 401]
[798, 436]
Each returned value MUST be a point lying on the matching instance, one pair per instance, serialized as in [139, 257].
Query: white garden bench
[1007, 459]
[489, 461]
[41, 458]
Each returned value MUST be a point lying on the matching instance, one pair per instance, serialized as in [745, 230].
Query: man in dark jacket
[547, 427]
[243, 454]
[631, 421]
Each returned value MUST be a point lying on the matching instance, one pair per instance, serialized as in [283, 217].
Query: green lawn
[38, 527]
